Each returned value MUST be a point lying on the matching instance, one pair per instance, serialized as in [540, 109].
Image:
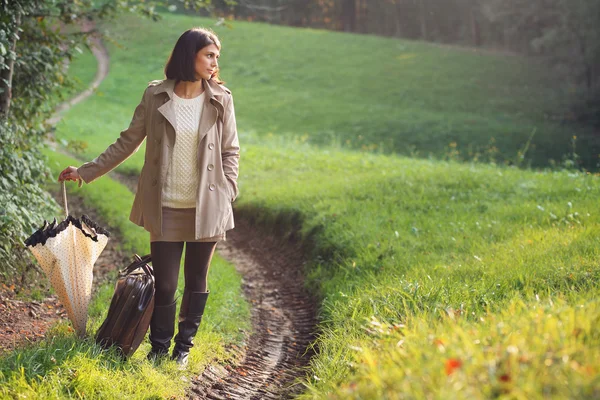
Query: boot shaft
[162, 326]
[190, 317]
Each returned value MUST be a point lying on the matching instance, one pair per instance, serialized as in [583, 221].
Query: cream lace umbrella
[67, 252]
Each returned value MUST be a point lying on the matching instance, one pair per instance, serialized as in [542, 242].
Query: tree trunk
[397, 19]
[7, 74]
[423, 19]
[365, 16]
[349, 15]
[475, 29]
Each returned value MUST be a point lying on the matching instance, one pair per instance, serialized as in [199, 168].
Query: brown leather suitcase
[130, 309]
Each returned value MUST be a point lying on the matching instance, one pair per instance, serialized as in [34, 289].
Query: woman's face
[207, 61]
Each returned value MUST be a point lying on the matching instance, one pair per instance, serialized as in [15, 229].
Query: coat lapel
[212, 108]
[168, 111]
[208, 118]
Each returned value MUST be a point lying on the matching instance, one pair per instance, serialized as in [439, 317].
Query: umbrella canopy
[67, 252]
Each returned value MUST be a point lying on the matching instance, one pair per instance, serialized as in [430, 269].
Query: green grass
[439, 250]
[355, 91]
[490, 359]
[437, 279]
[81, 74]
[64, 367]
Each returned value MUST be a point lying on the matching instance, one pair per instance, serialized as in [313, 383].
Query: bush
[23, 202]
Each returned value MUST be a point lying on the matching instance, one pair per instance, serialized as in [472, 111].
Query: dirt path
[102, 56]
[283, 319]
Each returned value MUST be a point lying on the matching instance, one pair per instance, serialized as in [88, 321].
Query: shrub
[23, 202]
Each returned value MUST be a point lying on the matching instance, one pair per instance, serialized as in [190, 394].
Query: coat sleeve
[127, 144]
[230, 148]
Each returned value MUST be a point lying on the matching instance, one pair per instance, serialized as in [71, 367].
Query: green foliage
[48, 35]
[23, 202]
[566, 32]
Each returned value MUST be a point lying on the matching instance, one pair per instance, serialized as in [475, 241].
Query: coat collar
[212, 107]
[213, 89]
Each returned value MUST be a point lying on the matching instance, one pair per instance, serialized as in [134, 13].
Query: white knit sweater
[181, 184]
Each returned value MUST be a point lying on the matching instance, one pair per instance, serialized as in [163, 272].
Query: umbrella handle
[64, 196]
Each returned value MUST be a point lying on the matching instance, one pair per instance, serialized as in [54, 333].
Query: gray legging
[166, 258]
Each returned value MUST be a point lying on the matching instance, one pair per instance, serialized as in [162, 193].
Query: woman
[187, 183]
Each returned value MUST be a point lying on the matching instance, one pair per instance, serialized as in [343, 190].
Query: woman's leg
[198, 256]
[166, 258]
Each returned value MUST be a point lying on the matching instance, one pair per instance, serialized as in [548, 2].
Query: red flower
[452, 364]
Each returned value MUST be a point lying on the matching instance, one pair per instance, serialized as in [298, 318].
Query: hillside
[359, 91]
[436, 279]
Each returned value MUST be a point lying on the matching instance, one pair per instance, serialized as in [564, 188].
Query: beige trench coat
[218, 157]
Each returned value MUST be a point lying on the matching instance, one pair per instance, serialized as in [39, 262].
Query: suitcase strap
[140, 262]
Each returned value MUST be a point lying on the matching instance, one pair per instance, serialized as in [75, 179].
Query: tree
[566, 32]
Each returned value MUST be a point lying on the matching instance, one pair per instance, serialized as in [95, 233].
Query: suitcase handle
[140, 262]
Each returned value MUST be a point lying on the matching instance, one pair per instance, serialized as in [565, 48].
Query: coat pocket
[228, 188]
[226, 217]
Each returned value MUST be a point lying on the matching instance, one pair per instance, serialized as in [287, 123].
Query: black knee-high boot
[190, 316]
[162, 328]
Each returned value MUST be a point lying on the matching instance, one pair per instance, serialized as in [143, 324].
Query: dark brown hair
[180, 65]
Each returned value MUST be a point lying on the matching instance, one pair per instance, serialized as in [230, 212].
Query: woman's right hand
[69, 174]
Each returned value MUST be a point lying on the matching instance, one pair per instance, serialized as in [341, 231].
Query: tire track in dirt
[283, 319]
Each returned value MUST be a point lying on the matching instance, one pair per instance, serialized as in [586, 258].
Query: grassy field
[358, 91]
[63, 367]
[437, 279]
[420, 264]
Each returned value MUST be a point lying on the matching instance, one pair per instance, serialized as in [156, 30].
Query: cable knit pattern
[181, 184]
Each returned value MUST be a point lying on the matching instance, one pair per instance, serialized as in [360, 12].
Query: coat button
[154, 182]
[156, 161]
[211, 186]
[211, 146]
[210, 167]
[159, 141]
